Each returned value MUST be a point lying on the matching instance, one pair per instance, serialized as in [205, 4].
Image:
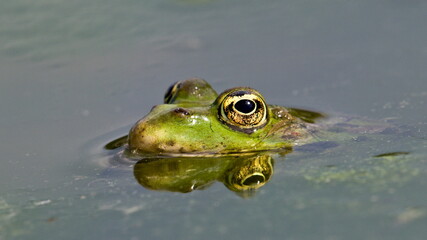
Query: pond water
[77, 74]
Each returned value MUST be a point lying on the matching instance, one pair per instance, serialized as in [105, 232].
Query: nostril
[181, 111]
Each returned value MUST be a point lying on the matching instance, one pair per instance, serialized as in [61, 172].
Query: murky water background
[76, 74]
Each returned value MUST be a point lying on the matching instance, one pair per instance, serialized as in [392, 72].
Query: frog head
[195, 121]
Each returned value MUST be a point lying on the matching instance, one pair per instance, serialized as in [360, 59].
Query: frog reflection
[240, 174]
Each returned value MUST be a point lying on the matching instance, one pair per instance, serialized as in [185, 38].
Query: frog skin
[195, 121]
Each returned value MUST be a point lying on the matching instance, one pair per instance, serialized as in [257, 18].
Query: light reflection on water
[73, 71]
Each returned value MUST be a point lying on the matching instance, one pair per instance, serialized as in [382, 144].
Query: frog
[197, 136]
[194, 120]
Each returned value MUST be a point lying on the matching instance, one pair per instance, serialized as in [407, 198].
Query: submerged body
[195, 120]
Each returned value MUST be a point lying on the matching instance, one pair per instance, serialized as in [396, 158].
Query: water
[74, 75]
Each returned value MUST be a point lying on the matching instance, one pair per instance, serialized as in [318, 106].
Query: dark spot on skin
[182, 150]
[140, 135]
[181, 111]
[170, 143]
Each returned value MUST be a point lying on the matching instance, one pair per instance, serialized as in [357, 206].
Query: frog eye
[253, 180]
[170, 94]
[243, 110]
[249, 173]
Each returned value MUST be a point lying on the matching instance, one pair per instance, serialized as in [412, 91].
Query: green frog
[195, 121]
[198, 137]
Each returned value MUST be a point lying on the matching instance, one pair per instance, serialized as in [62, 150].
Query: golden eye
[243, 110]
[170, 94]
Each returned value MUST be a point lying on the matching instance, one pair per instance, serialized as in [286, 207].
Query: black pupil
[253, 180]
[245, 106]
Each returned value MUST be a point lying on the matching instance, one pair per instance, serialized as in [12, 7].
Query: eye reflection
[254, 180]
[240, 174]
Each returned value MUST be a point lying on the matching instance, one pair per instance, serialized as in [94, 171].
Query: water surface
[75, 75]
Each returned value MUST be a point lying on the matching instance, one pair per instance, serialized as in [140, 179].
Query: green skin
[189, 124]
